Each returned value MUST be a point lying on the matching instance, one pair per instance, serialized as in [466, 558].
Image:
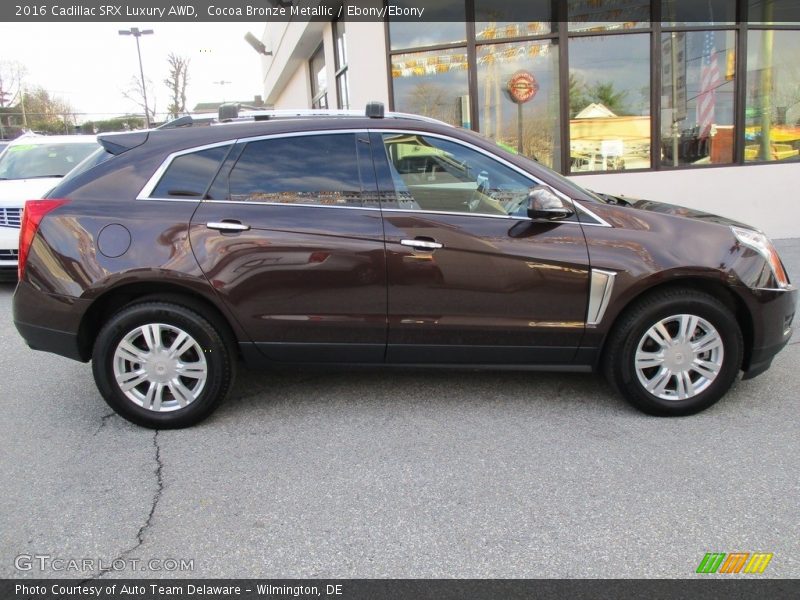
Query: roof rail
[374, 110]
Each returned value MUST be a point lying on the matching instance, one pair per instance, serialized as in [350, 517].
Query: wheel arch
[712, 287]
[106, 305]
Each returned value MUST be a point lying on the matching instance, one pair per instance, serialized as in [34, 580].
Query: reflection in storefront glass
[505, 19]
[694, 12]
[444, 24]
[783, 12]
[609, 100]
[698, 89]
[607, 15]
[772, 113]
[433, 84]
[534, 64]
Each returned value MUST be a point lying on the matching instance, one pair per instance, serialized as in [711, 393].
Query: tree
[125, 123]
[11, 73]
[136, 94]
[578, 100]
[176, 83]
[47, 112]
[432, 100]
[582, 95]
[605, 94]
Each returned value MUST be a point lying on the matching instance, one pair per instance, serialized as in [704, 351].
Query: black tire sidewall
[649, 313]
[216, 354]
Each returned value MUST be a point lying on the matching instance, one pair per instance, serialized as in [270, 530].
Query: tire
[162, 365]
[677, 373]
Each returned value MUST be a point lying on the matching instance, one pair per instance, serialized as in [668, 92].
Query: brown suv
[380, 239]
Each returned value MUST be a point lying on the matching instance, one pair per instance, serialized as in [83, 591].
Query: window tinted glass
[437, 175]
[319, 169]
[190, 174]
[25, 161]
[97, 157]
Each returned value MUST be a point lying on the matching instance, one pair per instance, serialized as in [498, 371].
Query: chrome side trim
[298, 205]
[600, 288]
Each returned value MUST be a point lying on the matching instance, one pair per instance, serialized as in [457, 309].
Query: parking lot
[398, 474]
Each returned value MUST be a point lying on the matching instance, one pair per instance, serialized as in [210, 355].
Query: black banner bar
[422, 11]
[399, 589]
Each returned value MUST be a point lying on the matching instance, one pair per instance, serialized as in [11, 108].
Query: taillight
[32, 215]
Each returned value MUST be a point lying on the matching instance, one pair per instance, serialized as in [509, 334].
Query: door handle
[421, 244]
[228, 226]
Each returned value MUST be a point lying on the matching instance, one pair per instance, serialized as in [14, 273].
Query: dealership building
[695, 102]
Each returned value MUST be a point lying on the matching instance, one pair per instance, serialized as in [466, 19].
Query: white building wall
[366, 55]
[297, 92]
[765, 196]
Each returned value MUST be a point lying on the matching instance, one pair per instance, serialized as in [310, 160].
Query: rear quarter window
[189, 175]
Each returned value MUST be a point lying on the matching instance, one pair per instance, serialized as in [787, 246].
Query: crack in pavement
[140, 535]
[103, 420]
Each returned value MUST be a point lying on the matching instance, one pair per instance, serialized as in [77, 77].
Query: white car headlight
[761, 244]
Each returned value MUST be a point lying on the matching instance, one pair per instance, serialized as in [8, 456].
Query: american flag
[710, 79]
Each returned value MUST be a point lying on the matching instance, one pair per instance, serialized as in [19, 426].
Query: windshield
[26, 161]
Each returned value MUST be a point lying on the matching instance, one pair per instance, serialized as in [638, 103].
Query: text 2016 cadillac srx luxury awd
[380, 239]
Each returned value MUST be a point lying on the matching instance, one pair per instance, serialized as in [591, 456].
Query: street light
[137, 33]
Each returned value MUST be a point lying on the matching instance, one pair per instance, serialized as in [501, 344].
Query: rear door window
[314, 169]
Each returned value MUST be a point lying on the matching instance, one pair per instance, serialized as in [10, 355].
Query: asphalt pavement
[395, 474]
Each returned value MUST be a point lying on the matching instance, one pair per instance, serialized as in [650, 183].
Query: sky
[90, 64]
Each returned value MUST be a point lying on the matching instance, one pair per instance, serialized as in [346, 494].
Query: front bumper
[772, 313]
[9, 244]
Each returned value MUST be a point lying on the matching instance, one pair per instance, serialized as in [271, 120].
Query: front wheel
[161, 365]
[675, 352]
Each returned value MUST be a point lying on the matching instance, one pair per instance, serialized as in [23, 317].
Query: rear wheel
[161, 365]
[675, 352]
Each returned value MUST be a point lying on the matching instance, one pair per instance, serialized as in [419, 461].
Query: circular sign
[522, 87]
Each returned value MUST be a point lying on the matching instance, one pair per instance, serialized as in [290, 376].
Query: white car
[31, 166]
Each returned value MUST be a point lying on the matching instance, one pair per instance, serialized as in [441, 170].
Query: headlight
[761, 244]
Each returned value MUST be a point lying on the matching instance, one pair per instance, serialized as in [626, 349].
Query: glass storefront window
[504, 19]
[319, 79]
[340, 53]
[772, 113]
[433, 84]
[606, 15]
[609, 99]
[783, 12]
[697, 103]
[498, 65]
[692, 12]
[444, 24]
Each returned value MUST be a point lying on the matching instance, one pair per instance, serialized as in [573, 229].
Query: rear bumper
[63, 343]
[50, 322]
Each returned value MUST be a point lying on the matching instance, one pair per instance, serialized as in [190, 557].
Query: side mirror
[545, 205]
